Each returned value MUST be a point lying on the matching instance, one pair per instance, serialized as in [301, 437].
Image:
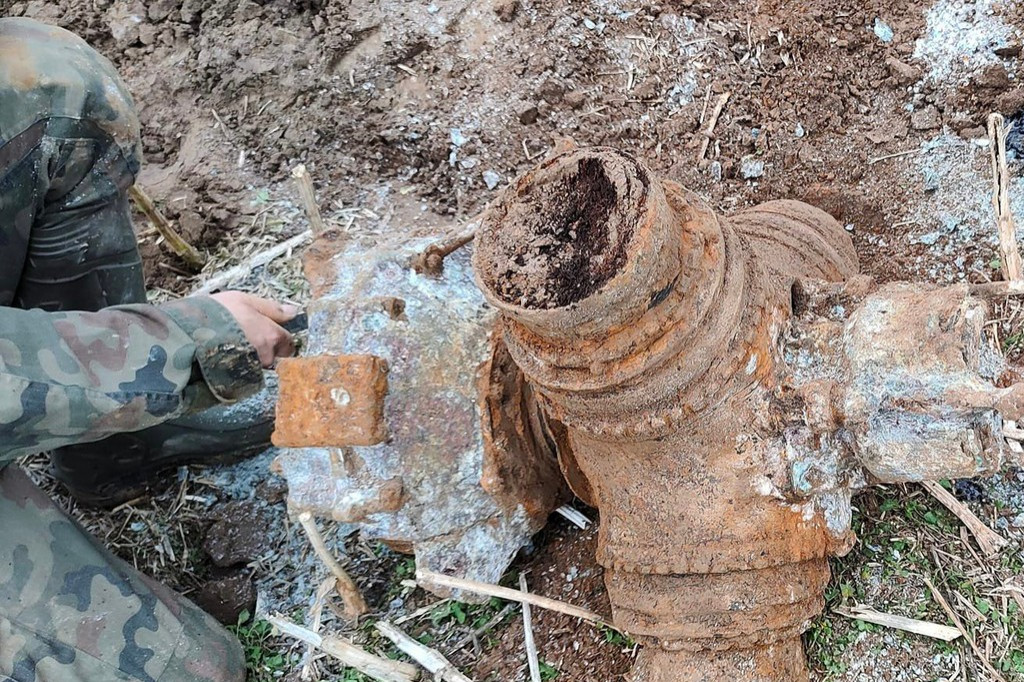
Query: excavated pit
[572, 226]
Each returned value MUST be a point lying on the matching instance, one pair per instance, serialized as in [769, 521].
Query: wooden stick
[988, 540]
[314, 621]
[531, 646]
[355, 605]
[574, 516]
[998, 289]
[720, 103]
[262, 258]
[894, 155]
[960, 626]
[174, 240]
[431, 659]
[1012, 432]
[918, 627]
[382, 669]
[439, 580]
[1009, 254]
[308, 198]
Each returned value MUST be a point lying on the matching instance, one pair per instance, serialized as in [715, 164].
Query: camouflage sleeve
[70, 377]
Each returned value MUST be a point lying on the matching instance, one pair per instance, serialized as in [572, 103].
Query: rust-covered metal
[717, 387]
[719, 432]
[331, 401]
[467, 471]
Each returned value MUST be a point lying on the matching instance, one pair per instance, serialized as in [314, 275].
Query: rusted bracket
[331, 401]
[430, 261]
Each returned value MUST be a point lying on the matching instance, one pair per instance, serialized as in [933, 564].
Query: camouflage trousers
[70, 610]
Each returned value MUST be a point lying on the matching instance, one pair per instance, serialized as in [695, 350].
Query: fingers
[285, 347]
[278, 312]
[260, 319]
[272, 342]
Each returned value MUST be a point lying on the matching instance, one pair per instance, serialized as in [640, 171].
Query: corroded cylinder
[649, 328]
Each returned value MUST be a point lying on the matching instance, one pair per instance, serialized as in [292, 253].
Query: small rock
[883, 30]
[716, 170]
[926, 119]
[528, 114]
[238, 536]
[970, 490]
[457, 138]
[992, 76]
[931, 180]
[973, 132]
[506, 9]
[576, 98]
[159, 10]
[1008, 50]
[272, 490]
[799, 131]
[225, 599]
[491, 179]
[751, 167]
[147, 34]
[552, 91]
[903, 73]
[43, 11]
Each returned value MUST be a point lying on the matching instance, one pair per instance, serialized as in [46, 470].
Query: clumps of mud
[563, 233]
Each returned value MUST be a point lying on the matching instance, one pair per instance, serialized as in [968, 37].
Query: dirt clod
[992, 76]
[903, 73]
[926, 119]
[507, 9]
[576, 98]
[227, 598]
[528, 114]
[1009, 50]
[238, 536]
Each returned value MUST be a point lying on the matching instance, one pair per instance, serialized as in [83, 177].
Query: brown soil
[429, 96]
[440, 101]
[572, 238]
[562, 568]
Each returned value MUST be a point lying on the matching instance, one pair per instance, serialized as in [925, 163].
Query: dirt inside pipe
[564, 234]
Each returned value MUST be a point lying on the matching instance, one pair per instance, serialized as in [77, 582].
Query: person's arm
[68, 377]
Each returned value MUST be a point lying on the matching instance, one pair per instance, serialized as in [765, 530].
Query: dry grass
[906, 536]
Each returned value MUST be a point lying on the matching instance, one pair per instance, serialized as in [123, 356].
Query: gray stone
[883, 30]
[926, 119]
[751, 167]
[491, 179]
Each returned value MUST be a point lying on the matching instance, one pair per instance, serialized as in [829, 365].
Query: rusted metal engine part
[654, 331]
[895, 384]
[442, 472]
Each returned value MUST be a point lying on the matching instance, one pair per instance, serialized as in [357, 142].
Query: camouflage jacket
[70, 377]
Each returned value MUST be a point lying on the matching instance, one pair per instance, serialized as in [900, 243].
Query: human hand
[261, 320]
